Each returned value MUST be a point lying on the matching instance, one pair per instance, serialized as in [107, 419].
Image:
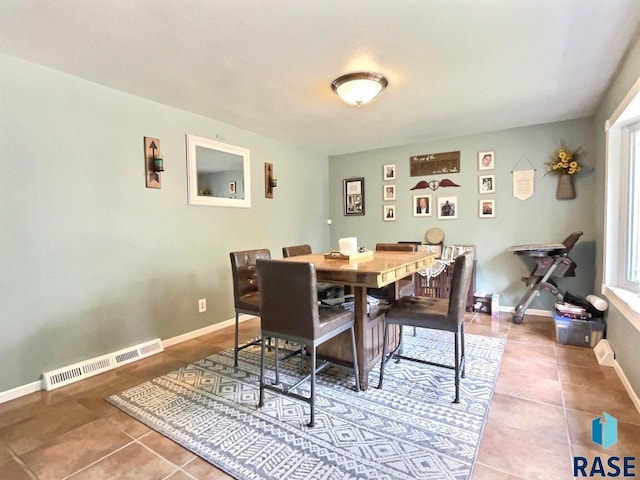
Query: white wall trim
[204, 331]
[529, 311]
[20, 391]
[627, 385]
[36, 386]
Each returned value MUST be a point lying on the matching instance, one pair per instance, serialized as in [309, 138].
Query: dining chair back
[437, 314]
[325, 290]
[246, 295]
[295, 250]
[290, 311]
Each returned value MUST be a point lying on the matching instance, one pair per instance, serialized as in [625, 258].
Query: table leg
[360, 315]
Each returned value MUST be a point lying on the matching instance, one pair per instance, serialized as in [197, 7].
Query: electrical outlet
[202, 305]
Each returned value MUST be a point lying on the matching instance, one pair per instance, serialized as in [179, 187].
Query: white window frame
[616, 287]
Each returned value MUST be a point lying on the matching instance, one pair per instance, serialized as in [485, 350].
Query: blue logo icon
[605, 434]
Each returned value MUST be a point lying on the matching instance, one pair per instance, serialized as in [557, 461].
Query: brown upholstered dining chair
[437, 314]
[290, 311]
[246, 296]
[295, 250]
[325, 290]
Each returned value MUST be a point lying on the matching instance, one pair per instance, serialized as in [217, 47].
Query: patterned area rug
[408, 430]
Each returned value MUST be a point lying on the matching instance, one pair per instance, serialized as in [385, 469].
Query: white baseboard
[627, 385]
[529, 311]
[205, 330]
[20, 391]
[38, 385]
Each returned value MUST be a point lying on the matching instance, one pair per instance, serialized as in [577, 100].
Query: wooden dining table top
[378, 270]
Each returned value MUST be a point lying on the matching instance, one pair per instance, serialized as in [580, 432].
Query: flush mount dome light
[359, 88]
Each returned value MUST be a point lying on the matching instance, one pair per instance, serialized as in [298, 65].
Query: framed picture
[389, 213]
[422, 205]
[447, 253]
[353, 196]
[389, 172]
[388, 192]
[232, 188]
[486, 160]
[487, 208]
[437, 249]
[447, 208]
[487, 184]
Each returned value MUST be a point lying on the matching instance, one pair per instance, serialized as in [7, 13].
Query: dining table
[375, 270]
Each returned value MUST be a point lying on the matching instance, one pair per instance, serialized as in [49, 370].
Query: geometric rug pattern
[408, 430]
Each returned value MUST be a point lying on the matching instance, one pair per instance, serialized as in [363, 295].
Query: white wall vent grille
[132, 354]
[80, 371]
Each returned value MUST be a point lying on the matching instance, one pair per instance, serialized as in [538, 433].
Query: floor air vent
[73, 373]
[132, 354]
[80, 371]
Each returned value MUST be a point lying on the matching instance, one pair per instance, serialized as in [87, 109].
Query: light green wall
[539, 219]
[622, 335]
[92, 261]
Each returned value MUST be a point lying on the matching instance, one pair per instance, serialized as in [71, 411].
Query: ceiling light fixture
[359, 88]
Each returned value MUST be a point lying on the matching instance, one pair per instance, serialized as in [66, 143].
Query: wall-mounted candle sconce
[153, 162]
[270, 180]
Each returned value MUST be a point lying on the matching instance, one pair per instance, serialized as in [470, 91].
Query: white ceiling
[454, 66]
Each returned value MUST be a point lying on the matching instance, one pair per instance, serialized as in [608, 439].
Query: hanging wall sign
[523, 183]
[434, 164]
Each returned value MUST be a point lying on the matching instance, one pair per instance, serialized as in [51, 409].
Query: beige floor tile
[190, 351]
[519, 453]
[534, 417]
[580, 431]
[166, 448]
[532, 337]
[203, 470]
[75, 450]
[533, 368]
[486, 330]
[28, 406]
[52, 422]
[532, 388]
[98, 382]
[154, 366]
[594, 378]
[5, 453]
[484, 472]
[12, 470]
[181, 475]
[132, 462]
[578, 356]
[128, 424]
[542, 353]
[587, 399]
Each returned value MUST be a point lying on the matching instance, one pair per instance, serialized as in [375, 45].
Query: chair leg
[277, 380]
[235, 348]
[414, 331]
[457, 368]
[462, 359]
[262, 355]
[399, 344]
[384, 353]
[356, 370]
[302, 355]
[312, 399]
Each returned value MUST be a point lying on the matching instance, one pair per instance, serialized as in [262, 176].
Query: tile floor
[545, 398]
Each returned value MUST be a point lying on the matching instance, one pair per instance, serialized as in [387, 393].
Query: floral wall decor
[565, 164]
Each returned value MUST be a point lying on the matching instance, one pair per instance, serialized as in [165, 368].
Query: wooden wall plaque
[434, 164]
